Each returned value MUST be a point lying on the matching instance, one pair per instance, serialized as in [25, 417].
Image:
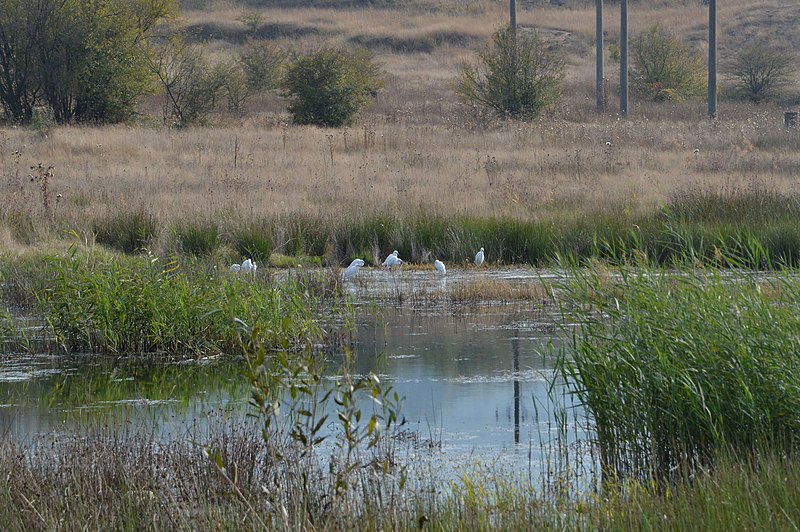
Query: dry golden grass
[416, 149]
[497, 290]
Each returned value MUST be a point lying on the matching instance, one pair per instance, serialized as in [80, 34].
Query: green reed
[200, 239]
[676, 367]
[696, 224]
[126, 231]
[99, 302]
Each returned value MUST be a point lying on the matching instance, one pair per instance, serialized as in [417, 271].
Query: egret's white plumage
[393, 260]
[235, 268]
[479, 258]
[249, 266]
[439, 265]
[352, 270]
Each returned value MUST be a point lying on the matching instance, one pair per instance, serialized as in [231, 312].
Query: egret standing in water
[439, 265]
[352, 270]
[479, 258]
[393, 260]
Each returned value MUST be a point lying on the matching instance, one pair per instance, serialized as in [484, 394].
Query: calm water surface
[475, 379]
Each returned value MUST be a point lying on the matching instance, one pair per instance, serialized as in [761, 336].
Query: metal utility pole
[512, 8]
[598, 44]
[712, 58]
[623, 58]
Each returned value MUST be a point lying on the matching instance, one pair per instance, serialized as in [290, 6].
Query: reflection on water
[468, 380]
[474, 382]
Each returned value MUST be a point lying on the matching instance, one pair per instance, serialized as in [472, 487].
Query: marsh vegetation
[672, 244]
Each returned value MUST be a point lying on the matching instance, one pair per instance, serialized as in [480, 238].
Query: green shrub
[516, 76]
[231, 79]
[330, 86]
[190, 86]
[262, 64]
[128, 232]
[664, 68]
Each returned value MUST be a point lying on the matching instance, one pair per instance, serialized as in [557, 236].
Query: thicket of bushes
[85, 61]
[92, 62]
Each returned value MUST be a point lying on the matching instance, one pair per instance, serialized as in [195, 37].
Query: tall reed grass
[677, 367]
[94, 301]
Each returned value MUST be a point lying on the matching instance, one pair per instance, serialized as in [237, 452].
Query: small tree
[84, 60]
[666, 69]
[190, 85]
[330, 86]
[516, 76]
[232, 80]
[263, 63]
[759, 70]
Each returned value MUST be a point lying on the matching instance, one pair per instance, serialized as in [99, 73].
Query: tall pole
[512, 8]
[712, 58]
[515, 344]
[623, 58]
[598, 38]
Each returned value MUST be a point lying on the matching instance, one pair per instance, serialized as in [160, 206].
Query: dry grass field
[416, 151]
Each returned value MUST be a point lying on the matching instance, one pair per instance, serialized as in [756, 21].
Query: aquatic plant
[100, 302]
[199, 239]
[675, 368]
[129, 232]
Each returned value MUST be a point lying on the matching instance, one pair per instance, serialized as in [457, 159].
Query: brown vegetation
[416, 150]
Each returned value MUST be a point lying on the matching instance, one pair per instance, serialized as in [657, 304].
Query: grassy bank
[127, 481]
[703, 225]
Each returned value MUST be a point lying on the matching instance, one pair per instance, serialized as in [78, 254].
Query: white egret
[352, 270]
[235, 268]
[439, 265]
[393, 260]
[249, 266]
[479, 258]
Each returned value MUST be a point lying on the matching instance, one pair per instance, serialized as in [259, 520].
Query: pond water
[475, 379]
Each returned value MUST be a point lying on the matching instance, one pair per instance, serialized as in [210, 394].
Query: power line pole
[623, 58]
[598, 38]
[513, 11]
[712, 58]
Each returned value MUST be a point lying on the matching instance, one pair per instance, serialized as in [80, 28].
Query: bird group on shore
[249, 266]
[393, 259]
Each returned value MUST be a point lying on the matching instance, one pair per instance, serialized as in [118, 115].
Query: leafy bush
[330, 86]
[665, 68]
[760, 70]
[231, 80]
[190, 86]
[517, 76]
[262, 64]
[84, 60]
